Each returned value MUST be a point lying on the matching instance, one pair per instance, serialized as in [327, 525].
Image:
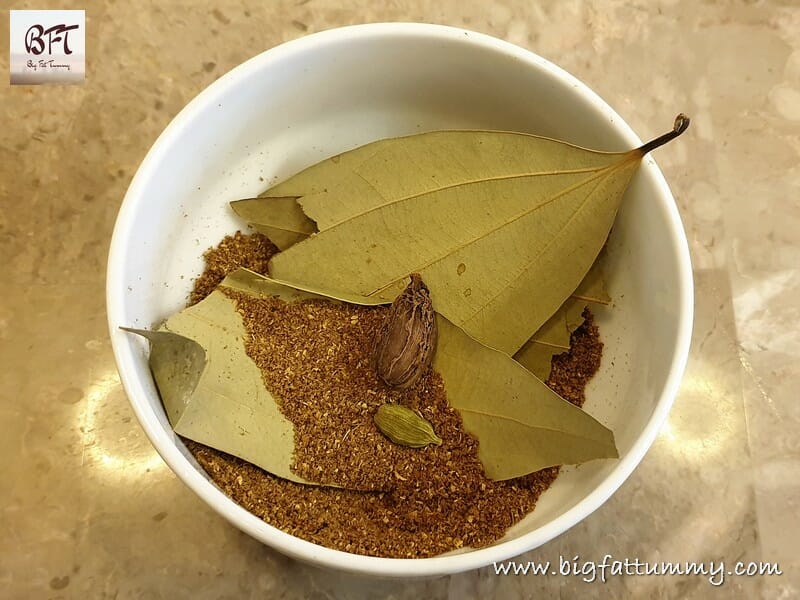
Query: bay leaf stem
[681, 124]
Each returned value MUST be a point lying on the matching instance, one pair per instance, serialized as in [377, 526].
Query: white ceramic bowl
[305, 100]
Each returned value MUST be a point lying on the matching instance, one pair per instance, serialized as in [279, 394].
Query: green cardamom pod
[405, 427]
[406, 342]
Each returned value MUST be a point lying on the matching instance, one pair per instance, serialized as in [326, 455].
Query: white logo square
[47, 46]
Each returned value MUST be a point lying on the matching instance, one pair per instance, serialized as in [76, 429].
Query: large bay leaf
[521, 424]
[436, 160]
[213, 392]
[348, 184]
[500, 251]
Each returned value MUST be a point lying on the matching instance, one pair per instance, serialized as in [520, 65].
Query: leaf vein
[460, 184]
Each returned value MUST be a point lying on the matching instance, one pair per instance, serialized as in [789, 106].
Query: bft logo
[36, 36]
[47, 46]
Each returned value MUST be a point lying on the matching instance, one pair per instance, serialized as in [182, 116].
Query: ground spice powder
[234, 251]
[315, 357]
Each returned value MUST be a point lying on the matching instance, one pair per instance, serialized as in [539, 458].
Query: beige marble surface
[87, 508]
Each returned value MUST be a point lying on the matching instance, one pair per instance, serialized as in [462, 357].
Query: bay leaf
[362, 173]
[427, 162]
[213, 393]
[521, 424]
[280, 219]
[353, 182]
[499, 252]
[177, 364]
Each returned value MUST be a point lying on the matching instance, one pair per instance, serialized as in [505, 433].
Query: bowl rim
[125, 350]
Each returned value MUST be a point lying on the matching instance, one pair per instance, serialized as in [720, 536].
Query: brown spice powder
[571, 371]
[315, 357]
[234, 251]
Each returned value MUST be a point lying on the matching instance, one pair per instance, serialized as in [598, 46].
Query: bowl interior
[306, 100]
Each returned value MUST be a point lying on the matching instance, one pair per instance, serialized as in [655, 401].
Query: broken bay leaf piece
[521, 424]
[213, 393]
[592, 287]
[538, 358]
[177, 364]
[554, 336]
[500, 253]
[555, 331]
[558, 329]
[280, 219]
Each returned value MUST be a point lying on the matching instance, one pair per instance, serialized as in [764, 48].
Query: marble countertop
[89, 510]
